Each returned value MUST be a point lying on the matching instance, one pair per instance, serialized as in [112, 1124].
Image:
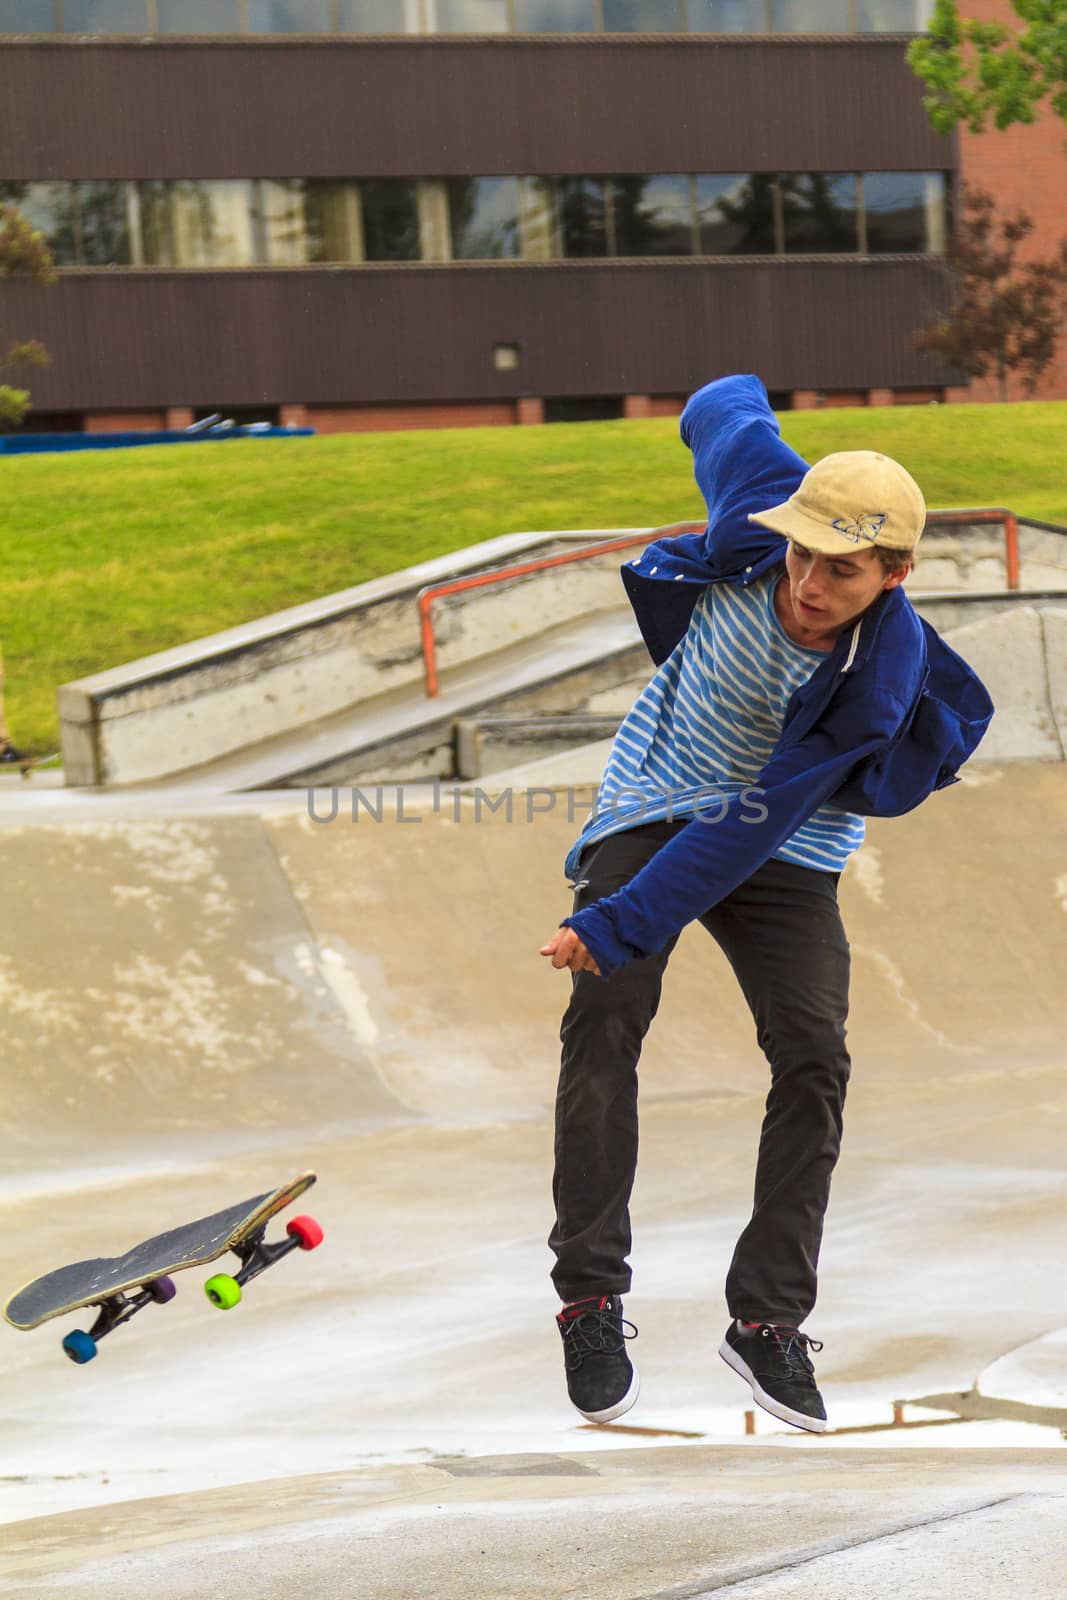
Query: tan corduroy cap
[848, 501]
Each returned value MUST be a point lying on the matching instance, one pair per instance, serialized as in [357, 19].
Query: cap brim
[787, 520]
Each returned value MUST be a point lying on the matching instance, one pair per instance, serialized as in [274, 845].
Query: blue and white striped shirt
[705, 726]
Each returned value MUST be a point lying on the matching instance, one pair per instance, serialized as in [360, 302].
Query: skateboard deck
[14, 761]
[122, 1285]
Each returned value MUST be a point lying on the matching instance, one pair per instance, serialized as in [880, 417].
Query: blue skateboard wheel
[79, 1347]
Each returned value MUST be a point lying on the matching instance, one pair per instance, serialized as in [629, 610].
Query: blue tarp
[27, 444]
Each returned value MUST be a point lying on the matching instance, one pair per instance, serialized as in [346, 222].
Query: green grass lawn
[110, 555]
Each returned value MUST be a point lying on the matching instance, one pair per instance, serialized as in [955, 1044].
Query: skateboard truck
[224, 1291]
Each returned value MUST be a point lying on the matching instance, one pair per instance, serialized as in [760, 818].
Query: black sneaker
[774, 1361]
[601, 1379]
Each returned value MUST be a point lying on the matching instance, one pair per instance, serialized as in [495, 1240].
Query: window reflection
[484, 217]
[642, 16]
[810, 16]
[735, 215]
[819, 213]
[555, 16]
[103, 223]
[377, 16]
[105, 16]
[291, 222]
[198, 16]
[652, 216]
[581, 216]
[280, 230]
[27, 16]
[727, 16]
[892, 16]
[905, 211]
[468, 16]
[189, 223]
[289, 16]
[390, 219]
[333, 220]
[48, 207]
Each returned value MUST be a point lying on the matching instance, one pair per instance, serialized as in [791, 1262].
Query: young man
[797, 691]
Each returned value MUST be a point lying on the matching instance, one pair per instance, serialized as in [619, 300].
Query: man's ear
[893, 580]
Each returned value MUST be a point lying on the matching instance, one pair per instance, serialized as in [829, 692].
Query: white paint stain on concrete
[154, 1004]
[350, 996]
[908, 1003]
[47, 1008]
[865, 867]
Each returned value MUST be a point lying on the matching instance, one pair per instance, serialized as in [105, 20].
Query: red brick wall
[1022, 167]
[381, 419]
[123, 421]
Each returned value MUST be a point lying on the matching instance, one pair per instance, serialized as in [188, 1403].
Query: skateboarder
[796, 692]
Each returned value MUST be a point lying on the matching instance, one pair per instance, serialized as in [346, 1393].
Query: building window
[892, 16]
[198, 16]
[468, 16]
[102, 222]
[186, 223]
[105, 16]
[581, 217]
[642, 16]
[377, 16]
[727, 16]
[904, 211]
[820, 215]
[27, 16]
[50, 208]
[555, 16]
[484, 218]
[810, 16]
[290, 16]
[652, 216]
[334, 220]
[281, 231]
[293, 222]
[735, 214]
[390, 219]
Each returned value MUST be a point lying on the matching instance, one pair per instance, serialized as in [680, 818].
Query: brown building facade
[431, 228]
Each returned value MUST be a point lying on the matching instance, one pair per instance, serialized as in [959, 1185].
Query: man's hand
[567, 950]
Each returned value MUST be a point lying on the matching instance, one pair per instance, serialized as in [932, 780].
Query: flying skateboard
[121, 1286]
[24, 765]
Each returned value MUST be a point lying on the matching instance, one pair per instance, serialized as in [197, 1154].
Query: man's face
[827, 593]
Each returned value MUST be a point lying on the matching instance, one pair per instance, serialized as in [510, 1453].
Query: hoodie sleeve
[741, 464]
[713, 854]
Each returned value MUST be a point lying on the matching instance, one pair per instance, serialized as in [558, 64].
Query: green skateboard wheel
[223, 1291]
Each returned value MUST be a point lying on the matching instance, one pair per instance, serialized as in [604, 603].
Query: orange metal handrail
[481, 580]
[1008, 520]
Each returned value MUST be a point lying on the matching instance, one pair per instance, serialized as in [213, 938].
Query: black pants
[781, 932]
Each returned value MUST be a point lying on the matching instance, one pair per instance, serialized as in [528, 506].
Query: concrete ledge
[273, 679]
[186, 706]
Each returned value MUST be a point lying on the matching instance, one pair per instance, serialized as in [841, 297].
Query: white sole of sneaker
[620, 1408]
[784, 1413]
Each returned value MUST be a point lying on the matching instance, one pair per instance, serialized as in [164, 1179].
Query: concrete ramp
[159, 980]
[196, 1007]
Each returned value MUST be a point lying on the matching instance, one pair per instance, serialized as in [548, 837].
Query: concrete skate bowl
[182, 982]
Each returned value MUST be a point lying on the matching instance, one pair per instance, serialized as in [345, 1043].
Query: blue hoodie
[889, 716]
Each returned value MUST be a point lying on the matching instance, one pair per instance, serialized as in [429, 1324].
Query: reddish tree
[23, 254]
[1007, 314]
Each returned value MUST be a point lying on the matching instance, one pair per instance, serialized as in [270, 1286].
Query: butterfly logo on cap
[868, 525]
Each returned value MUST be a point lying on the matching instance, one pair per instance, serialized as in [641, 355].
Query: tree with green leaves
[23, 254]
[985, 72]
[1007, 314]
